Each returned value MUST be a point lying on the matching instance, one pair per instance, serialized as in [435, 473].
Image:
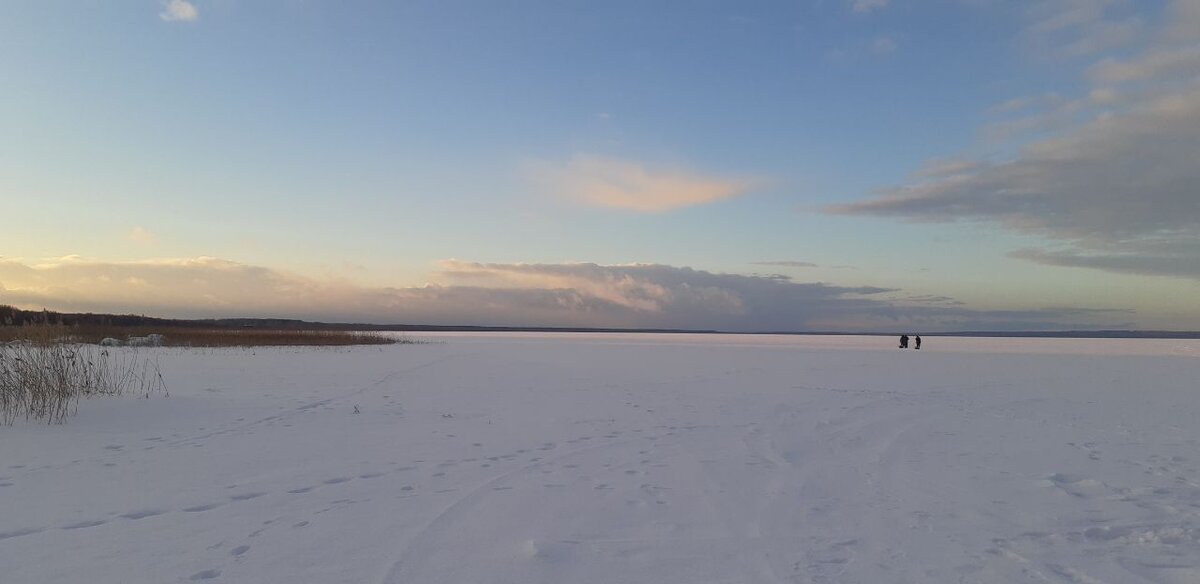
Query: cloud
[1115, 178]
[1112, 175]
[141, 235]
[934, 299]
[571, 295]
[884, 45]
[1025, 102]
[867, 6]
[1184, 18]
[941, 167]
[1046, 116]
[1137, 263]
[1079, 28]
[620, 184]
[179, 11]
[786, 264]
[1151, 65]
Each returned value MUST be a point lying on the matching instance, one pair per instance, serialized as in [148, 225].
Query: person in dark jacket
[903, 341]
[918, 342]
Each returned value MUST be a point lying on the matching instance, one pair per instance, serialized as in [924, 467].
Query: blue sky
[940, 164]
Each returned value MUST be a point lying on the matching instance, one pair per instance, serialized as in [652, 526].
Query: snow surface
[524, 458]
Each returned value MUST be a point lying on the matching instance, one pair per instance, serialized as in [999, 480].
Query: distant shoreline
[15, 317]
[1100, 334]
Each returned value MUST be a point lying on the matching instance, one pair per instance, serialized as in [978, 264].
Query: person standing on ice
[918, 342]
[903, 341]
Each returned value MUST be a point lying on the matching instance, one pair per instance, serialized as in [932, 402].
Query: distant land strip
[11, 316]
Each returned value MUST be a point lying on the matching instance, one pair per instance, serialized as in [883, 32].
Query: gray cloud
[867, 6]
[1116, 179]
[934, 299]
[1151, 65]
[573, 295]
[1078, 28]
[787, 264]
[1184, 19]
[1142, 264]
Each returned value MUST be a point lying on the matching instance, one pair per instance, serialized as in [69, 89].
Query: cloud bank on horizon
[558, 295]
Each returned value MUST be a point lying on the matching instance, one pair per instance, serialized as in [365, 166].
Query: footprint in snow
[199, 508]
[84, 524]
[19, 533]
[246, 496]
[144, 513]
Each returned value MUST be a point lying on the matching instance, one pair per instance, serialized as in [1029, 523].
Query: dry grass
[42, 378]
[46, 369]
[198, 337]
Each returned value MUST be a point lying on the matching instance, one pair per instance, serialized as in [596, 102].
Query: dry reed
[201, 337]
[43, 378]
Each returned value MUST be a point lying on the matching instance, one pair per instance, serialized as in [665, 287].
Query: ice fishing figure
[918, 339]
[903, 341]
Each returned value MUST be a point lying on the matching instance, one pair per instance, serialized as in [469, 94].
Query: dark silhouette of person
[903, 341]
[918, 342]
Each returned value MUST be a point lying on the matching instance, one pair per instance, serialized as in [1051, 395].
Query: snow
[623, 458]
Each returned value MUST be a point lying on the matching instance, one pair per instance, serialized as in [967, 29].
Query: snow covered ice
[554, 458]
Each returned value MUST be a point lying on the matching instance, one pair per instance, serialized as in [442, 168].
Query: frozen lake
[624, 458]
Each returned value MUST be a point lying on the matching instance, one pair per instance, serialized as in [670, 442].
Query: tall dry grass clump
[275, 338]
[43, 378]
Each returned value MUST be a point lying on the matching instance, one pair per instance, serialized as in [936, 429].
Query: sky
[850, 165]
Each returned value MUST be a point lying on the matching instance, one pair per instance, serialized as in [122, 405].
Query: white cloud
[179, 11]
[140, 234]
[565, 295]
[630, 186]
